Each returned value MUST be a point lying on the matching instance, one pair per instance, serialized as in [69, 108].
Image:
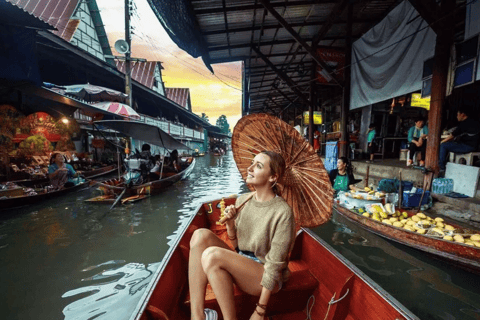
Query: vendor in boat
[263, 234]
[342, 178]
[61, 174]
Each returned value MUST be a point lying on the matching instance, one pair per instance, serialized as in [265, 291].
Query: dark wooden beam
[429, 11]
[334, 14]
[265, 43]
[269, 80]
[278, 26]
[257, 7]
[302, 42]
[226, 25]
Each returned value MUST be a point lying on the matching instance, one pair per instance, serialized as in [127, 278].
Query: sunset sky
[212, 94]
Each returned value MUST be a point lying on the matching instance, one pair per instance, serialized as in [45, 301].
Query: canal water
[68, 259]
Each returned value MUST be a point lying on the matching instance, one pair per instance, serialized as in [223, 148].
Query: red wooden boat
[116, 186]
[457, 253]
[319, 275]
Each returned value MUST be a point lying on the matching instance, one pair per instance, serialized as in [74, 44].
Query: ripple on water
[114, 293]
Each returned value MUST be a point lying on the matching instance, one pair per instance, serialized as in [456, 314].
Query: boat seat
[293, 296]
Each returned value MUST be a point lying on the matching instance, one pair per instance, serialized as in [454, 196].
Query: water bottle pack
[442, 185]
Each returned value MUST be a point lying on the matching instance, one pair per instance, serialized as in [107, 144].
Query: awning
[145, 132]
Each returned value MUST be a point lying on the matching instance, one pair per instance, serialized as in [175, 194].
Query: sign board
[335, 59]
[418, 101]
[317, 117]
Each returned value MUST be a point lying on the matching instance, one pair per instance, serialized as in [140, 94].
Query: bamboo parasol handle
[224, 219]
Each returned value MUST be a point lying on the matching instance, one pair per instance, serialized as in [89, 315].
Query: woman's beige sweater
[268, 230]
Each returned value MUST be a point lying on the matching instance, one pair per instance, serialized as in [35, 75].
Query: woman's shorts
[249, 255]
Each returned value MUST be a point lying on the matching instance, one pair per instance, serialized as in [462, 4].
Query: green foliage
[205, 117]
[222, 123]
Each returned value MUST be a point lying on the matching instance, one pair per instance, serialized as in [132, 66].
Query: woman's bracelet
[232, 238]
[263, 306]
[261, 314]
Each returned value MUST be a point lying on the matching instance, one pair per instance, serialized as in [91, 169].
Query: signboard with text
[335, 59]
[418, 101]
[317, 117]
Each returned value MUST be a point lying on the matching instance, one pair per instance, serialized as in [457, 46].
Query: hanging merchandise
[41, 123]
[9, 125]
[35, 145]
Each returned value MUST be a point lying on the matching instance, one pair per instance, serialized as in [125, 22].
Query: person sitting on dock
[263, 234]
[466, 137]
[61, 174]
[417, 136]
[342, 178]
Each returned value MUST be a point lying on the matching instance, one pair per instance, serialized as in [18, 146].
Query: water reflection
[420, 282]
[115, 292]
[111, 293]
[76, 260]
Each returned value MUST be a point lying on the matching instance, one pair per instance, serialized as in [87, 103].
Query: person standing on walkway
[263, 234]
[372, 133]
[463, 139]
[417, 137]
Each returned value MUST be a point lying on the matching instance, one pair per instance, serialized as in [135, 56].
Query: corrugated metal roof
[56, 13]
[14, 15]
[142, 72]
[180, 95]
[231, 27]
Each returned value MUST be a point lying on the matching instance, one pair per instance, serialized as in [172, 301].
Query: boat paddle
[118, 199]
[224, 219]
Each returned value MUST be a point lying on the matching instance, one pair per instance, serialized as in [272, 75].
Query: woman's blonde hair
[277, 167]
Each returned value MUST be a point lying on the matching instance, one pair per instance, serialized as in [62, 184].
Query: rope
[332, 302]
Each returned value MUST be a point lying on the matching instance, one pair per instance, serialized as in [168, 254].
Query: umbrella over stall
[117, 108]
[306, 185]
[91, 93]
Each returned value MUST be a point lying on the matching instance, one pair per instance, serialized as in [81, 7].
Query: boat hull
[317, 270]
[87, 174]
[27, 200]
[460, 254]
[154, 187]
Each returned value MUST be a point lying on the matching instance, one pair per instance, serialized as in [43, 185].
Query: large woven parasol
[306, 184]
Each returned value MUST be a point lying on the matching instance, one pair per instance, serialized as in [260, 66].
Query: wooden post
[128, 72]
[343, 147]
[445, 38]
[311, 105]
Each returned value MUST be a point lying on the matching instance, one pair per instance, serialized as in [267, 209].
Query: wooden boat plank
[333, 276]
[458, 253]
[26, 200]
[87, 174]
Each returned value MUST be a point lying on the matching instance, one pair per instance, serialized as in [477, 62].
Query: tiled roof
[180, 96]
[143, 72]
[56, 13]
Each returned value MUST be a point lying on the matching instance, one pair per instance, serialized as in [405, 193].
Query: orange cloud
[213, 94]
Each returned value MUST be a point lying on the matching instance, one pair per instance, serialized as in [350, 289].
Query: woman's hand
[230, 213]
[256, 316]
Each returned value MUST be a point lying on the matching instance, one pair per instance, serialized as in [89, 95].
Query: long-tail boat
[457, 253]
[323, 284]
[116, 186]
[90, 174]
[16, 197]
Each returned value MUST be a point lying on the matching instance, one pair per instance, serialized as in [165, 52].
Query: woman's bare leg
[197, 279]
[224, 267]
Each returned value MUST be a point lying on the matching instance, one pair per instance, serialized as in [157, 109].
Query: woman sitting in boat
[342, 178]
[263, 234]
[172, 163]
[61, 174]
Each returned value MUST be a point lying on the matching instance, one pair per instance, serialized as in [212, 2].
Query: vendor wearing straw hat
[263, 234]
